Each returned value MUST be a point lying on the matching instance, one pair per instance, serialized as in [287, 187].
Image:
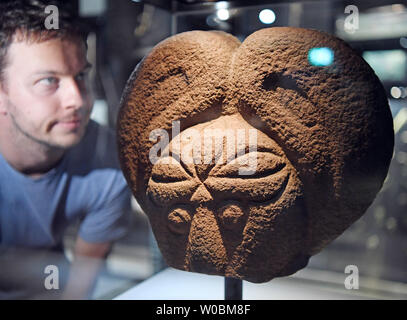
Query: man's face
[45, 94]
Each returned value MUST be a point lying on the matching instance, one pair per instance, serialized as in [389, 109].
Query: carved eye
[179, 220]
[168, 170]
[263, 163]
[170, 182]
[266, 184]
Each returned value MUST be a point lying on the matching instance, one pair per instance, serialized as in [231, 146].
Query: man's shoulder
[96, 150]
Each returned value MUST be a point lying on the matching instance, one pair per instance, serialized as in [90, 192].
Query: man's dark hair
[25, 19]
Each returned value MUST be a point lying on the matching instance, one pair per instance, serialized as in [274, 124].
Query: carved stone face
[216, 217]
[275, 157]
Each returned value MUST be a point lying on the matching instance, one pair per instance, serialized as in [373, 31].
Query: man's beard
[30, 137]
[47, 145]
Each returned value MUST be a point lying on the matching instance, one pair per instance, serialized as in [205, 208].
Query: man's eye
[50, 81]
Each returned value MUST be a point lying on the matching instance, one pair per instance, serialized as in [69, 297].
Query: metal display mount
[233, 289]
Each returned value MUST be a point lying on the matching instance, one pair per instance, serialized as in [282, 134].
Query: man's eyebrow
[86, 68]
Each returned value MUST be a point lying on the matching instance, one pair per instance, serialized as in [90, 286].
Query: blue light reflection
[321, 57]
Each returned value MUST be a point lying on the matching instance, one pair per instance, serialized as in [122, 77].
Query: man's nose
[74, 95]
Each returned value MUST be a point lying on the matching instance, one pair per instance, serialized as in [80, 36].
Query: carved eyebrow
[261, 147]
[180, 161]
[274, 80]
[166, 177]
[174, 72]
[267, 164]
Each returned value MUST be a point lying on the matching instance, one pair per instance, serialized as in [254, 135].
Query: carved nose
[205, 251]
[201, 194]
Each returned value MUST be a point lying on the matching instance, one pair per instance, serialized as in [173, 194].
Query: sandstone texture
[323, 138]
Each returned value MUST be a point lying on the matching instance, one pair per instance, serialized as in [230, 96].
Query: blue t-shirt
[87, 184]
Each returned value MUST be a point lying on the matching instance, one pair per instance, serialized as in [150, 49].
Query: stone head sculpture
[249, 158]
